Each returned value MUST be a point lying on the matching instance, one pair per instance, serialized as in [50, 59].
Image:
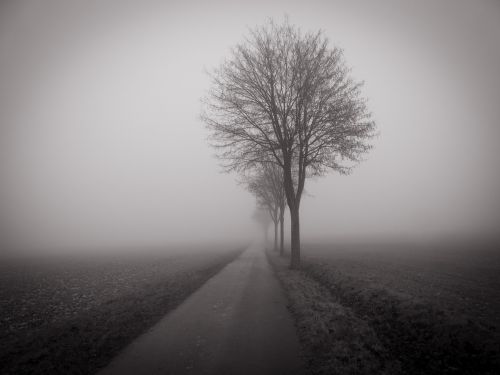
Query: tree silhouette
[266, 184]
[262, 218]
[284, 95]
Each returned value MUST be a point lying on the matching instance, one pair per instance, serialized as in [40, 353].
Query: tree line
[281, 108]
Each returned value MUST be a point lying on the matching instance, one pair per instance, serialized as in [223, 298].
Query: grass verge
[333, 339]
[349, 326]
[424, 338]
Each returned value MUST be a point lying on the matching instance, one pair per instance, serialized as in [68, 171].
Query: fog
[101, 144]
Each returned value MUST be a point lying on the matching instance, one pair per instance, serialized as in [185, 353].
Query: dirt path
[237, 323]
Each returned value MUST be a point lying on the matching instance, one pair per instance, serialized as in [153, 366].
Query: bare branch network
[285, 97]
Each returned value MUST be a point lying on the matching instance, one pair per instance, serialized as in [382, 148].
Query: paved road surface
[237, 323]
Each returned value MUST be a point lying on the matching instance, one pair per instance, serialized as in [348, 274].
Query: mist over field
[126, 249]
[102, 147]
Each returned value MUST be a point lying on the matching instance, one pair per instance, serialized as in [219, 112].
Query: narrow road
[237, 323]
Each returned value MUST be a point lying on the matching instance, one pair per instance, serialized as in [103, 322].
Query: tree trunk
[282, 232]
[276, 235]
[293, 201]
[295, 243]
[266, 236]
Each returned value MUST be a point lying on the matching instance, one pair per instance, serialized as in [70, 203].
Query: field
[397, 308]
[63, 315]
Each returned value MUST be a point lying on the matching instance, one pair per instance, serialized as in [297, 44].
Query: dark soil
[71, 317]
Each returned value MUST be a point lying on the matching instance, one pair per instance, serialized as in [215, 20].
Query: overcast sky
[101, 142]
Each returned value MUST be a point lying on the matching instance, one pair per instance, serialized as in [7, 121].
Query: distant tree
[266, 184]
[285, 95]
[262, 218]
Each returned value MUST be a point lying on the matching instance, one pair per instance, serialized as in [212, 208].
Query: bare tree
[266, 184]
[262, 218]
[285, 95]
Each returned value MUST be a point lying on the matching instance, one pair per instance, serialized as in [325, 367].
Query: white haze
[101, 145]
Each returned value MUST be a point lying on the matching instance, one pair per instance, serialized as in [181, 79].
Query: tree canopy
[286, 97]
